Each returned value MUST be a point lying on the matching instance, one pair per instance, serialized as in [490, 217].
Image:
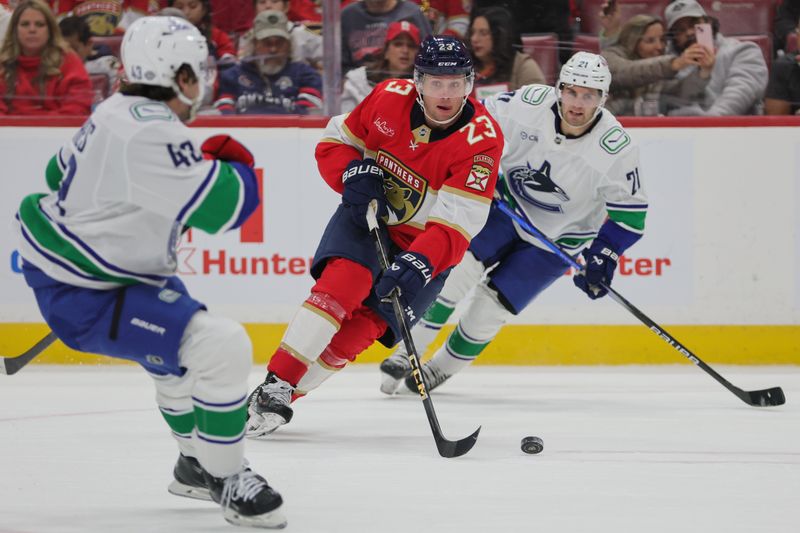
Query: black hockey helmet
[443, 55]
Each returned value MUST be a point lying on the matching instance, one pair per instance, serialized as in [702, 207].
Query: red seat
[100, 88]
[763, 41]
[543, 48]
[791, 43]
[112, 41]
[586, 43]
[590, 11]
[741, 17]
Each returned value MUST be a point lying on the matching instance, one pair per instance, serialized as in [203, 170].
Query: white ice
[626, 449]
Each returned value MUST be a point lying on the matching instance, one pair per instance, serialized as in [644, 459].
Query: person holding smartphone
[725, 76]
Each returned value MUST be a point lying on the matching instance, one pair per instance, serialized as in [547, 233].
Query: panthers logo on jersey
[404, 188]
[527, 181]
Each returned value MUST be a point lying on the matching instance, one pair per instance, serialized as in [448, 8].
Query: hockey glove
[226, 148]
[601, 261]
[363, 182]
[409, 273]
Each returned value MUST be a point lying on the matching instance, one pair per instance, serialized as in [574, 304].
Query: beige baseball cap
[270, 23]
[682, 8]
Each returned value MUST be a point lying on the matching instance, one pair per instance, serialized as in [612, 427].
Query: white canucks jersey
[124, 188]
[567, 186]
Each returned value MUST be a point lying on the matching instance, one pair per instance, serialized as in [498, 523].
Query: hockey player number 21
[473, 135]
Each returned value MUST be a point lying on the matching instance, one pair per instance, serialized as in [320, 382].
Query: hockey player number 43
[487, 129]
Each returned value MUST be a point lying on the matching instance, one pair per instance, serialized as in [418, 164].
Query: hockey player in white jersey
[100, 255]
[571, 168]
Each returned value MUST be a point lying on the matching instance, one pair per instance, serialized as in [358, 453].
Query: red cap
[397, 28]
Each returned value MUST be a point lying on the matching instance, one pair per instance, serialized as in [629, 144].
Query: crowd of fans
[60, 57]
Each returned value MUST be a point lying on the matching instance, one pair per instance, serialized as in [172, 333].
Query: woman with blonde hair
[639, 67]
[39, 73]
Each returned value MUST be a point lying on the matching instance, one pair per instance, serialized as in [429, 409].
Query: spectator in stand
[5, 17]
[96, 59]
[499, 65]
[269, 82]
[783, 91]
[39, 73]
[447, 17]
[198, 12]
[306, 45]
[396, 61]
[105, 18]
[729, 80]
[364, 27]
[639, 66]
[786, 16]
[539, 16]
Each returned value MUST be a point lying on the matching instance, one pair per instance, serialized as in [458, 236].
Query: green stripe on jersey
[463, 347]
[227, 424]
[220, 207]
[43, 232]
[572, 242]
[181, 424]
[630, 219]
[438, 313]
[53, 174]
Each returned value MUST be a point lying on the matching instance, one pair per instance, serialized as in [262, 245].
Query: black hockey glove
[363, 182]
[601, 261]
[409, 273]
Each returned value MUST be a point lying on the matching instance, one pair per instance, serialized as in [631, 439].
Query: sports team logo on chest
[527, 181]
[405, 189]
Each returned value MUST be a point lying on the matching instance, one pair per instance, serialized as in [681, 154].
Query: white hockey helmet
[585, 69]
[154, 48]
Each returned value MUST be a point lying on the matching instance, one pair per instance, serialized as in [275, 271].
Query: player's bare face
[443, 97]
[193, 10]
[400, 54]
[578, 105]
[191, 90]
[32, 32]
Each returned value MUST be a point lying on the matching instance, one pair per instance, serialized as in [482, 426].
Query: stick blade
[457, 448]
[766, 397]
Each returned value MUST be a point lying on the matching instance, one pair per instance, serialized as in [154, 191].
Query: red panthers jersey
[438, 183]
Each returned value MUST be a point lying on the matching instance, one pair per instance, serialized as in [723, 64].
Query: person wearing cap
[306, 45]
[268, 82]
[364, 25]
[729, 80]
[396, 61]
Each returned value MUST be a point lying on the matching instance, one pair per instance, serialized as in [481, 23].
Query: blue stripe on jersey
[247, 177]
[86, 248]
[198, 193]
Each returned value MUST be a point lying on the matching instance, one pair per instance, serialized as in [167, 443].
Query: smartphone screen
[703, 35]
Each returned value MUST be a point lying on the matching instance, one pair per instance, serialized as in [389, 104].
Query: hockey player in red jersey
[428, 154]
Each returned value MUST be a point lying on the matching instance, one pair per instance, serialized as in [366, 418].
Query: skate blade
[261, 425]
[187, 491]
[271, 520]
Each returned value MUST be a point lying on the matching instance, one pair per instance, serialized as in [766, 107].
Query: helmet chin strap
[421, 103]
[194, 105]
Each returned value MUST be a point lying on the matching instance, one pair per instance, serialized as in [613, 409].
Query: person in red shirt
[39, 73]
[198, 12]
[428, 155]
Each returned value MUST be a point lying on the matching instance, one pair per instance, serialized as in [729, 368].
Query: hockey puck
[532, 445]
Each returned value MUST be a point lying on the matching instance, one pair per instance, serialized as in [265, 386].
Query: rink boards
[719, 265]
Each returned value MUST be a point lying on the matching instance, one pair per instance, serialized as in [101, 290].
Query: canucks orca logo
[525, 181]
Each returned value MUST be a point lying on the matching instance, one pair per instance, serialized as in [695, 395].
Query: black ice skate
[269, 406]
[189, 479]
[394, 369]
[434, 376]
[247, 500]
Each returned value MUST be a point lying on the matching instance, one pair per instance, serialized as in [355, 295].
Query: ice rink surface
[627, 449]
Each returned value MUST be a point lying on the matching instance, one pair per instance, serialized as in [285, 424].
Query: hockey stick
[447, 448]
[12, 365]
[756, 398]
